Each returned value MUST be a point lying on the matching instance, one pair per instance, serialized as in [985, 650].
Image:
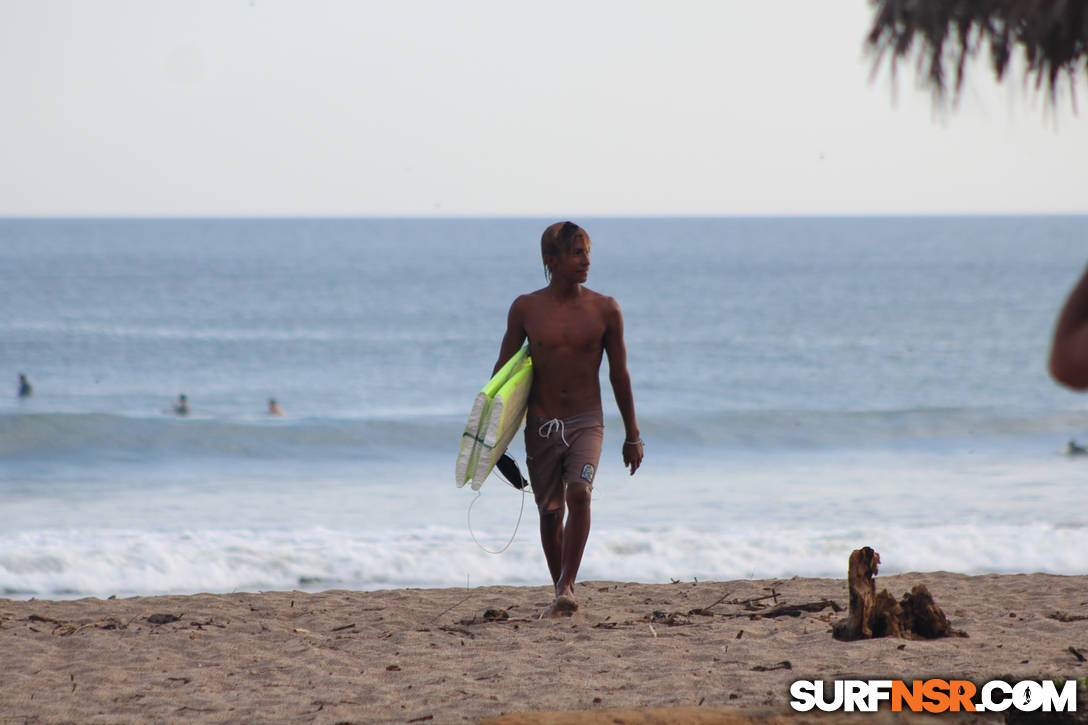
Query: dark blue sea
[805, 386]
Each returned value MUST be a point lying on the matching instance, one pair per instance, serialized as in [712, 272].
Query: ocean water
[804, 387]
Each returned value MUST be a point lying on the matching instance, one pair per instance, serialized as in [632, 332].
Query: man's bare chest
[577, 328]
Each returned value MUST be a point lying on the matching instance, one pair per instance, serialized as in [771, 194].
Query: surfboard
[468, 456]
[497, 413]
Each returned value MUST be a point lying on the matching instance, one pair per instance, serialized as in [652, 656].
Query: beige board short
[559, 451]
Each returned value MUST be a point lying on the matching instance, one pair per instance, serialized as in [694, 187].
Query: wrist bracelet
[634, 443]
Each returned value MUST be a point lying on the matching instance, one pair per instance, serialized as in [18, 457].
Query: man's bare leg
[551, 540]
[573, 535]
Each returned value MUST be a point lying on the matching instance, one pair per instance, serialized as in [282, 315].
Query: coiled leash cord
[504, 466]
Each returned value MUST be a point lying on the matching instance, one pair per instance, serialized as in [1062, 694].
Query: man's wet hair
[558, 238]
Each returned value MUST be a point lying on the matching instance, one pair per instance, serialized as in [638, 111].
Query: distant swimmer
[25, 388]
[274, 407]
[1075, 450]
[182, 406]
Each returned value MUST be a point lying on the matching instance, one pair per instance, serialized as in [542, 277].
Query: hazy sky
[502, 107]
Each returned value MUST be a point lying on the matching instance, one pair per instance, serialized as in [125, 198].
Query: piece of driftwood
[796, 610]
[872, 614]
[863, 566]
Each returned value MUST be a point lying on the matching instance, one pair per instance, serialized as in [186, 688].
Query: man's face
[574, 265]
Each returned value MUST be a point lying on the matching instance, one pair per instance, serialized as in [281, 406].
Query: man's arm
[616, 350]
[515, 333]
[1069, 352]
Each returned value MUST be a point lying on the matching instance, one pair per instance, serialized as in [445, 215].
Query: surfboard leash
[516, 525]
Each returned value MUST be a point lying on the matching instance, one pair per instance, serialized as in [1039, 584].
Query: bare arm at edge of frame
[1069, 351]
[620, 379]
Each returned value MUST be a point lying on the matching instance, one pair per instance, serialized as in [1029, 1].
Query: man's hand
[632, 454]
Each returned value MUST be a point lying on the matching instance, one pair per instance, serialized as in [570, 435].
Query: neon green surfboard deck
[497, 413]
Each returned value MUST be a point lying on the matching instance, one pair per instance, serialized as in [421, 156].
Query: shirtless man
[1069, 352]
[569, 328]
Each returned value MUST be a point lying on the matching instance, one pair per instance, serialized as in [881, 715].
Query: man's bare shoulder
[529, 299]
[607, 305]
[602, 304]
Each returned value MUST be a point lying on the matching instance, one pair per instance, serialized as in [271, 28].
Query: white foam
[90, 562]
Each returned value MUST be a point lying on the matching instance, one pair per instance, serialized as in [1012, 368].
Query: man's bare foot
[563, 606]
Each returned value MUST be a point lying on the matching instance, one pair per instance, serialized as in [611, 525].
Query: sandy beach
[465, 655]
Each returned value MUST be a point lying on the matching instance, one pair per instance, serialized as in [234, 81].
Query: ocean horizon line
[448, 217]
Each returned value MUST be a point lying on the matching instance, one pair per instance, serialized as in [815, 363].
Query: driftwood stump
[915, 616]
